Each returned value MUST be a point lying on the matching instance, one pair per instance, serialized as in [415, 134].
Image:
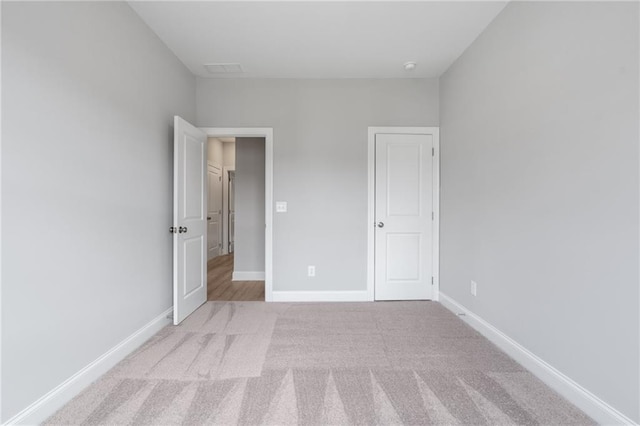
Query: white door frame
[267, 134]
[371, 165]
[225, 207]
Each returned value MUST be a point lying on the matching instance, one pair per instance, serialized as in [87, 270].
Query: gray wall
[249, 206]
[220, 153]
[539, 127]
[215, 151]
[229, 154]
[88, 98]
[320, 162]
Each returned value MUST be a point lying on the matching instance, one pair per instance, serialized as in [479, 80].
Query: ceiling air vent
[223, 68]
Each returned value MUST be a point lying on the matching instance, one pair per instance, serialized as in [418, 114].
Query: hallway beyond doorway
[221, 288]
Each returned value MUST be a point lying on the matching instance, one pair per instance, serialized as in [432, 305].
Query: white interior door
[232, 210]
[189, 219]
[214, 214]
[403, 215]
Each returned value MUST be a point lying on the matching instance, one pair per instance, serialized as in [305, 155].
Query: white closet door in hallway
[214, 212]
[232, 210]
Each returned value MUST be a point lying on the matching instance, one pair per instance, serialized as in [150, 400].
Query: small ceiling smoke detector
[410, 66]
[227, 68]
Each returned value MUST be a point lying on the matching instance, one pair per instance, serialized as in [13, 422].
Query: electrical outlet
[474, 288]
[311, 271]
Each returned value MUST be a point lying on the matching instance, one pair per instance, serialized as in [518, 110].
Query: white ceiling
[319, 39]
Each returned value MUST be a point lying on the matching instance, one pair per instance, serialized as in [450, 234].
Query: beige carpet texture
[254, 363]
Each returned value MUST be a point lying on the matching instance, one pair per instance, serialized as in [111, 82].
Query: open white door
[189, 219]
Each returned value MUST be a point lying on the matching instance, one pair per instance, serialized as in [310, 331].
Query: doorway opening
[238, 234]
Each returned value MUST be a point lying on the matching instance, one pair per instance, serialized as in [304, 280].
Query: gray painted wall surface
[320, 162]
[215, 152]
[88, 98]
[229, 154]
[539, 199]
[249, 205]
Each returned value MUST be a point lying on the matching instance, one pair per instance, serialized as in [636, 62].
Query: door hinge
[433, 216]
[431, 280]
[433, 152]
[219, 178]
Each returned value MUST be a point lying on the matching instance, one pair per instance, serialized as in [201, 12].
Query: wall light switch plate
[281, 206]
[474, 288]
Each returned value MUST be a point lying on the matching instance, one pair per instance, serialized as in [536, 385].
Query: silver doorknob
[173, 230]
[380, 224]
[182, 230]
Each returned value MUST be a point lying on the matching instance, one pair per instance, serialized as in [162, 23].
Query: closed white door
[232, 210]
[403, 216]
[189, 219]
[214, 214]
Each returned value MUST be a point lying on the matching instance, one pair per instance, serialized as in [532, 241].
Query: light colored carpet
[255, 363]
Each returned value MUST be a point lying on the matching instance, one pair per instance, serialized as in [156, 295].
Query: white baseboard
[321, 296]
[47, 405]
[599, 410]
[247, 276]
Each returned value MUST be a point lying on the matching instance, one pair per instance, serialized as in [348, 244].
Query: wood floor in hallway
[220, 287]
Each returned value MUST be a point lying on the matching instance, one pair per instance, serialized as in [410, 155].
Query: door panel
[403, 213]
[194, 264]
[403, 257]
[232, 211]
[189, 220]
[403, 186]
[214, 215]
[192, 152]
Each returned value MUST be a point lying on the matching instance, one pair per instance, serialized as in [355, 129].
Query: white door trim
[371, 163]
[267, 134]
[225, 207]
